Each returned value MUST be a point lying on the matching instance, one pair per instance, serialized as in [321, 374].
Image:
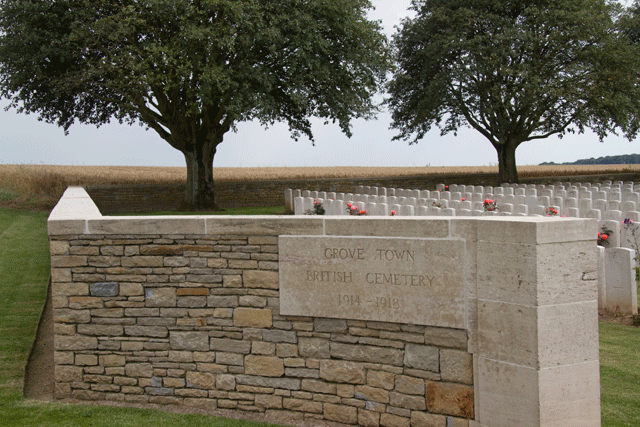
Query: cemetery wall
[149, 198]
[203, 312]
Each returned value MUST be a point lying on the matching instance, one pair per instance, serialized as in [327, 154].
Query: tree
[192, 69]
[515, 71]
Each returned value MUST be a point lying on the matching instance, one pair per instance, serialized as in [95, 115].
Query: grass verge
[620, 375]
[24, 275]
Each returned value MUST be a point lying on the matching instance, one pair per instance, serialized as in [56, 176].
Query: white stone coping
[76, 214]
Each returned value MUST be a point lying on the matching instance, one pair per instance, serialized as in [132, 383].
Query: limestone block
[227, 301]
[368, 418]
[268, 401]
[317, 386]
[138, 370]
[201, 380]
[424, 419]
[80, 303]
[342, 372]
[230, 346]
[370, 354]
[181, 292]
[180, 356]
[131, 289]
[410, 385]
[160, 297]
[391, 420]
[147, 225]
[74, 343]
[252, 317]
[112, 360]
[86, 360]
[330, 325]
[263, 348]
[340, 413]
[279, 336]
[567, 334]
[65, 261]
[60, 275]
[100, 330]
[142, 261]
[570, 395]
[508, 332]
[169, 382]
[226, 382]
[560, 396]
[399, 226]
[146, 331]
[232, 281]
[260, 381]
[261, 279]
[70, 289]
[369, 393]
[264, 225]
[191, 340]
[456, 366]
[192, 301]
[59, 247]
[66, 373]
[64, 329]
[268, 366]
[446, 337]
[450, 399]
[383, 379]
[307, 406]
[421, 357]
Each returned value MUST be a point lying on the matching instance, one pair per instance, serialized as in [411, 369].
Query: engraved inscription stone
[405, 280]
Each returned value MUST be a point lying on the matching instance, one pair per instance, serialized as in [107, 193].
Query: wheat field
[46, 183]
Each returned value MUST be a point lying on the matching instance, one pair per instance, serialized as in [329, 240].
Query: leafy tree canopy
[515, 71]
[192, 69]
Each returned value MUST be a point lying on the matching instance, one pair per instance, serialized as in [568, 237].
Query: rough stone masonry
[187, 311]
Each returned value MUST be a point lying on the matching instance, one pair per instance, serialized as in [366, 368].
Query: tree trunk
[199, 193]
[507, 172]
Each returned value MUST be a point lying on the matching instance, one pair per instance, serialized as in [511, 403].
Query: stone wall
[151, 198]
[186, 311]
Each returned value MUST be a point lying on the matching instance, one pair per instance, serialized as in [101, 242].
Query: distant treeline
[625, 159]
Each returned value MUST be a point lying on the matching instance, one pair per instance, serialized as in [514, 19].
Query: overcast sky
[25, 140]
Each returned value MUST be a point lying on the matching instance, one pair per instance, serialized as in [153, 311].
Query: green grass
[620, 375]
[24, 275]
[39, 414]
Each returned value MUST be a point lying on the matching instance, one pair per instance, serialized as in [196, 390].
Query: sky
[25, 140]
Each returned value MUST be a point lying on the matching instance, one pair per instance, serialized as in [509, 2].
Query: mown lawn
[620, 375]
[24, 275]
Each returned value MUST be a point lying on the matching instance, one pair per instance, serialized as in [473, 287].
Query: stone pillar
[537, 348]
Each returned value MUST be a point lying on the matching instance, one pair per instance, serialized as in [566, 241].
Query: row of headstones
[617, 288]
[613, 201]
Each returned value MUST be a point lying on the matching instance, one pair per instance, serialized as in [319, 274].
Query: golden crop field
[48, 182]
